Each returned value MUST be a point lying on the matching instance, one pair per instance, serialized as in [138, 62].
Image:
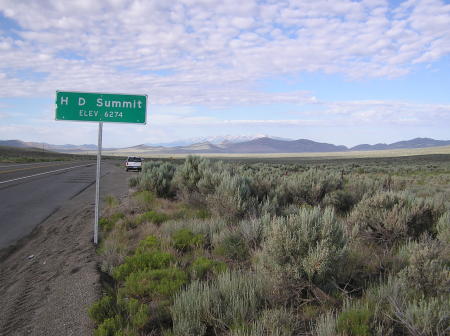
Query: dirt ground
[48, 281]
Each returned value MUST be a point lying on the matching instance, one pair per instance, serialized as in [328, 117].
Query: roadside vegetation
[204, 247]
[30, 155]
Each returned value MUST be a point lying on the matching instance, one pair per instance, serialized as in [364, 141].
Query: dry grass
[330, 155]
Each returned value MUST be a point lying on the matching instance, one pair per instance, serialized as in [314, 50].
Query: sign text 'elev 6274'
[105, 107]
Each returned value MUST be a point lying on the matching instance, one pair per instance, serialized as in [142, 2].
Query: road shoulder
[50, 279]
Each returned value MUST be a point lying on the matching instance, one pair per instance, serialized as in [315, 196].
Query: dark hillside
[30, 154]
[13, 143]
[268, 145]
[413, 143]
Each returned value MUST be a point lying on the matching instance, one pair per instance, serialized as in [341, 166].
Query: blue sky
[344, 72]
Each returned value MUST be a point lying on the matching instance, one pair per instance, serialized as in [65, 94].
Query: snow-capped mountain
[215, 140]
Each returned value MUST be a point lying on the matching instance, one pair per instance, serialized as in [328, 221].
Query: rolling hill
[413, 143]
[254, 146]
[269, 145]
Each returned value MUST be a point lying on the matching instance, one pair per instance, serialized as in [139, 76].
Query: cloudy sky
[340, 71]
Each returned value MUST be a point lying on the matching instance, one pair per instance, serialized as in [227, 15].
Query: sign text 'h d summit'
[102, 107]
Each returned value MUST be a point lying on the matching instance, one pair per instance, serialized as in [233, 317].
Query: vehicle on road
[133, 163]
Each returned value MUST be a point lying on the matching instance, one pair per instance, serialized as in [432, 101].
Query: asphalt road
[30, 193]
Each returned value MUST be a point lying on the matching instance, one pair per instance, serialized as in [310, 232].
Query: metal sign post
[97, 182]
[100, 107]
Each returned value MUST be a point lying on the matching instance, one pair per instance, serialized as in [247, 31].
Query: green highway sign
[102, 107]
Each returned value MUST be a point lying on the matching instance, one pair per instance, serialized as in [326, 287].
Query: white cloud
[384, 113]
[213, 52]
[214, 43]
[374, 113]
[62, 134]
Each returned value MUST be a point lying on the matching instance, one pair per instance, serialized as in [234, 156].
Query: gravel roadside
[50, 279]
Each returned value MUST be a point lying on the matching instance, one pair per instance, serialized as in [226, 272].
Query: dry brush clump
[114, 240]
[412, 301]
[309, 248]
[157, 177]
[273, 322]
[443, 228]
[309, 187]
[301, 252]
[188, 176]
[225, 303]
[232, 198]
[389, 218]
[427, 266]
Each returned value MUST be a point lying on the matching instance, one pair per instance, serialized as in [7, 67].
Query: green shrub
[131, 222]
[360, 186]
[109, 327]
[117, 216]
[107, 223]
[187, 211]
[153, 217]
[342, 201]
[117, 316]
[206, 228]
[137, 313]
[231, 245]
[148, 244]
[154, 282]
[362, 264]
[354, 322]
[102, 309]
[145, 198]
[202, 267]
[143, 261]
[184, 240]
[202, 214]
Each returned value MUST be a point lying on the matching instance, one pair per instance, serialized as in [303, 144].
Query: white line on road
[53, 171]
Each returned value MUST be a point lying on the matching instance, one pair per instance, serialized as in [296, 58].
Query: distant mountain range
[414, 143]
[46, 146]
[215, 140]
[269, 145]
[235, 145]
